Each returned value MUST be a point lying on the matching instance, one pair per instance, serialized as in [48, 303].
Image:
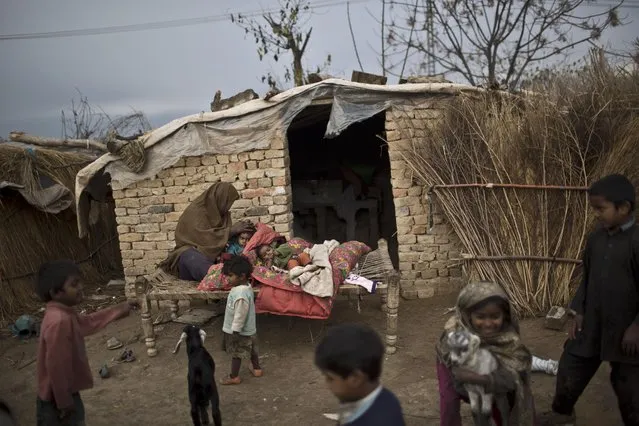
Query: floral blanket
[279, 296]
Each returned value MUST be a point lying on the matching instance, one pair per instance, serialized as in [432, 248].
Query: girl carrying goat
[483, 308]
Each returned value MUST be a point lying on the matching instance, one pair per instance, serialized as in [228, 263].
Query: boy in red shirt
[62, 363]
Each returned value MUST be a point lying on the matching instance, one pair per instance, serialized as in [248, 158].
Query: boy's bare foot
[256, 372]
[228, 380]
[551, 418]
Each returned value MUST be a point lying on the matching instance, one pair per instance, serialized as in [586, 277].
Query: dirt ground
[153, 390]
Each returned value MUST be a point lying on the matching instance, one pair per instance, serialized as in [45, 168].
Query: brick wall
[147, 212]
[424, 255]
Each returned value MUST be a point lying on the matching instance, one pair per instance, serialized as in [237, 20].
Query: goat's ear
[179, 342]
[202, 335]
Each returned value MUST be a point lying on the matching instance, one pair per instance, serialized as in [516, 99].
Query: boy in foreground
[606, 327]
[62, 363]
[350, 357]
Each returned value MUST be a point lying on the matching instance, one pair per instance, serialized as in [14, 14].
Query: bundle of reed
[527, 230]
[29, 236]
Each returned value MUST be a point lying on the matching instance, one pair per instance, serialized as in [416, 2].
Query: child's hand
[133, 304]
[630, 342]
[575, 326]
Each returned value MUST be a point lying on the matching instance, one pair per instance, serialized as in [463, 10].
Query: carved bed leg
[383, 294]
[173, 305]
[392, 306]
[147, 321]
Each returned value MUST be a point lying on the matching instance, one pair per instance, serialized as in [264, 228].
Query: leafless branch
[497, 42]
[350, 27]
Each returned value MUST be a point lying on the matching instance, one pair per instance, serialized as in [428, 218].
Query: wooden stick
[519, 257]
[510, 185]
[53, 142]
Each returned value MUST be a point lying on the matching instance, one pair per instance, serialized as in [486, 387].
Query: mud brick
[278, 143]
[275, 173]
[161, 208]
[274, 153]
[130, 237]
[193, 161]
[402, 184]
[128, 220]
[123, 229]
[556, 318]
[177, 171]
[257, 211]
[209, 160]
[129, 203]
[409, 294]
[144, 245]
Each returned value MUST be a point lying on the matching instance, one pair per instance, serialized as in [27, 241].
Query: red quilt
[277, 295]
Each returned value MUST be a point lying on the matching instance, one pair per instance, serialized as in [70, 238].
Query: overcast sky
[166, 73]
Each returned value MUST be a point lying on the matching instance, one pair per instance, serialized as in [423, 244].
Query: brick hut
[291, 158]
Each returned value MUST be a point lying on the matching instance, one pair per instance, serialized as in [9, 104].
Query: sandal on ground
[113, 343]
[228, 380]
[256, 372]
[126, 356]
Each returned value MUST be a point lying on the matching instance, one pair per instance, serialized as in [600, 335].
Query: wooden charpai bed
[173, 290]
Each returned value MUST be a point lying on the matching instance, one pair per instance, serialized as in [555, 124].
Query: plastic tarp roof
[254, 124]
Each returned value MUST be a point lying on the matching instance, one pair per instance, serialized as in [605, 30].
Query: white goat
[465, 351]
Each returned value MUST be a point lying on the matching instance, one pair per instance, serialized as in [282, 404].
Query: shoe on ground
[256, 372]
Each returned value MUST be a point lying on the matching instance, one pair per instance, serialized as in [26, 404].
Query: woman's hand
[242, 226]
[463, 375]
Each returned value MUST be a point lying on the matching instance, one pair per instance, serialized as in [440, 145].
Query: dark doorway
[341, 186]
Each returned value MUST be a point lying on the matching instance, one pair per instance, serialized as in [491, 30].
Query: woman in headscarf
[203, 231]
[483, 308]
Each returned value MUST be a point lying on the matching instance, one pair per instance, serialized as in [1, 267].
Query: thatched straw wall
[29, 237]
[581, 128]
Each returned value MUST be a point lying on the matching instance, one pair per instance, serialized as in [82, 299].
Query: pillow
[214, 280]
[345, 256]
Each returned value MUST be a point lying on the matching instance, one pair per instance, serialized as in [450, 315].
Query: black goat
[201, 377]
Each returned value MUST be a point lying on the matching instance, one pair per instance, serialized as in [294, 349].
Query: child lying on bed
[281, 256]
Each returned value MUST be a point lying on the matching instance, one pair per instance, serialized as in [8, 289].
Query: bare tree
[83, 121]
[285, 32]
[495, 42]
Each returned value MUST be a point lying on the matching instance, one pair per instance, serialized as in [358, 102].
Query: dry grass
[29, 237]
[582, 128]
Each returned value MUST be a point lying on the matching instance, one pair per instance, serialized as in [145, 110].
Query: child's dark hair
[615, 188]
[238, 265]
[52, 276]
[348, 348]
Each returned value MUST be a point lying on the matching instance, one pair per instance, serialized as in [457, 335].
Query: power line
[160, 24]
